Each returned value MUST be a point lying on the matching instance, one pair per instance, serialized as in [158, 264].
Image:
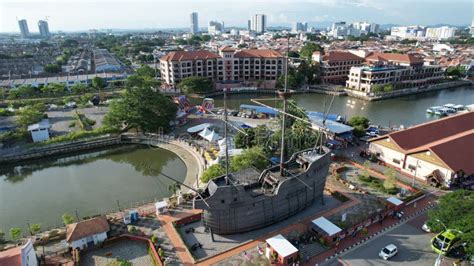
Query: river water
[407, 111]
[91, 183]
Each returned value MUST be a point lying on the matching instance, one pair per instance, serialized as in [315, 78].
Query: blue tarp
[259, 109]
[332, 117]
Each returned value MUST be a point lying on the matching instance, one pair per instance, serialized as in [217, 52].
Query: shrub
[154, 239]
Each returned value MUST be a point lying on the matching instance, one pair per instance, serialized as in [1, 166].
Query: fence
[154, 254]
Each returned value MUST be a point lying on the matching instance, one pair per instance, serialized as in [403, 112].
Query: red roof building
[336, 65]
[437, 151]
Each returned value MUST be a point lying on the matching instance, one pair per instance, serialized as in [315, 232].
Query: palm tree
[173, 188]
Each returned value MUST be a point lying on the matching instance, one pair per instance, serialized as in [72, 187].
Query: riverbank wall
[404, 92]
[190, 155]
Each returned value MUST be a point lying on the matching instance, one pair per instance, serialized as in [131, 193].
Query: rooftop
[327, 226]
[282, 246]
[262, 53]
[392, 57]
[340, 56]
[189, 55]
[86, 228]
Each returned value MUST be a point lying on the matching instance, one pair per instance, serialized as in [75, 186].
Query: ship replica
[249, 199]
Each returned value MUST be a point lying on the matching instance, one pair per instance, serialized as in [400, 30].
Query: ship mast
[284, 95]
[226, 139]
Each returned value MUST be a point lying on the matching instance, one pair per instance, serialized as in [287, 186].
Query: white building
[441, 33]
[40, 131]
[408, 32]
[258, 23]
[437, 151]
[215, 27]
[87, 233]
[24, 255]
[194, 23]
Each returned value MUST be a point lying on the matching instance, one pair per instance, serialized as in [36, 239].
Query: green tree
[308, 50]
[80, 88]
[28, 116]
[457, 71]
[388, 88]
[456, 211]
[2, 237]
[376, 88]
[212, 172]
[67, 219]
[98, 83]
[173, 188]
[136, 80]
[359, 121]
[141, 109]
[35, 228]
[54, 89]
[293, 54]
[52, 68]
[390, 182]
[146, 71]
[249, 157]
[195, 84]
[15, 233]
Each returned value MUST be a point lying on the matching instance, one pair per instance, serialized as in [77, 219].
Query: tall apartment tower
[258, 23]
[23, 28]
[194, 23]
[43, 28]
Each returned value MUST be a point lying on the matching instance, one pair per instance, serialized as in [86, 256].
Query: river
[91, 183]
[407, 110]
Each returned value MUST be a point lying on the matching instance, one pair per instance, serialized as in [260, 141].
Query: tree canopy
[308, 50]
[456, 211]
[141, 108]
[195, 84]
[98, 83]
[30, 115]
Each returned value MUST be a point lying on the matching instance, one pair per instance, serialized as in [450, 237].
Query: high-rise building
[194, 23]
[299, 27]
[258, 23]
[23, 28]
[441, 33]
[215, 27]
[249, 25]
[43, 28]
[408, 32]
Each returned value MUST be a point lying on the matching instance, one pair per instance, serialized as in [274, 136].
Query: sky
[74, 15]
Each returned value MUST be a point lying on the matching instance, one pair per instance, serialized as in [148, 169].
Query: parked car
[388, 252]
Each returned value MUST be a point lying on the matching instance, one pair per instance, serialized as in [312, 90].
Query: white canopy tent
[327, 226]
[282, 246]
[198, 128]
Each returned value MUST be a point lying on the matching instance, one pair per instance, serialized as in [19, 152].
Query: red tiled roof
[405, 58]
[189, 55]
[11, 257]
[340, 56]
[450, 138]
[458, 153]
[433, 131]
[262, 53]
[86, 228]
[227, 49]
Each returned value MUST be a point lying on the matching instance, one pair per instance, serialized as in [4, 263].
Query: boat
[251, 200]
[442, 111]
[433, 109]
[459, 107]
[450, 108]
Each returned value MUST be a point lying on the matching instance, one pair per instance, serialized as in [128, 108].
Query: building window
[396, 161]
[412, 167]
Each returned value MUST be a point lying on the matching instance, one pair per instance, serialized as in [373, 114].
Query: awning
[282, 246]
[198, 128]
[395, 201]
[327, 226]
[259, 109]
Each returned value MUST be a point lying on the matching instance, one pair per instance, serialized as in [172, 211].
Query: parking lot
[413, 247]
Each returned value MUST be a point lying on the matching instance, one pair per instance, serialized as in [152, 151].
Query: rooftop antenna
[284, 95]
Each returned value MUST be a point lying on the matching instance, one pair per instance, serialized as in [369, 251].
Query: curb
[381, 231]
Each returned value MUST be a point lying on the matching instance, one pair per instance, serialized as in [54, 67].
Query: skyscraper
[215, 27]
[194, 23]
[299, 27]
[23, 28]
[43, 28]
[258, 23]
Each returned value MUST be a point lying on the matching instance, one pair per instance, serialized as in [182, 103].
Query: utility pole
[77, 216]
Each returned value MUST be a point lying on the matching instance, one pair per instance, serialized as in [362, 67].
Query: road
[413, 247]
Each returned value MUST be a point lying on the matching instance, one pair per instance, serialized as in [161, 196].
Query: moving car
[388, 252]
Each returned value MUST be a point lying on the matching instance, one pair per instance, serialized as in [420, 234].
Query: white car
[425, 228]
[388, 252]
